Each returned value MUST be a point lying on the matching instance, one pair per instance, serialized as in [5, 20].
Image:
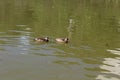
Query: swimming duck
[45, 39]
[62, 40]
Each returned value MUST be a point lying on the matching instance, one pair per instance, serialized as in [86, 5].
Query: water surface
[93, 28]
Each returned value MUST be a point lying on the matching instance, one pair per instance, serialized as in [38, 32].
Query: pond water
[93, 27]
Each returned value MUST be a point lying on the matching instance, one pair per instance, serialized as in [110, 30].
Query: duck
[45, 39]
[62, 40]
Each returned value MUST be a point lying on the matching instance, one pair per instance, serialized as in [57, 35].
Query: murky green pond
[93, 27]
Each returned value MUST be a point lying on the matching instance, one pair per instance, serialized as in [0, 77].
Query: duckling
[45, 39]
[62, 40]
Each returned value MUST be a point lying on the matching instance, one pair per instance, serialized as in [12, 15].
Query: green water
[93, 27]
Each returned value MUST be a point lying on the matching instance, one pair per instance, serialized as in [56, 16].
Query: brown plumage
[45, 39]
[62, 40]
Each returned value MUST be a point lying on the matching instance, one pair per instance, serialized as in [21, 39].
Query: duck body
[62, 40]
[45, 39]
